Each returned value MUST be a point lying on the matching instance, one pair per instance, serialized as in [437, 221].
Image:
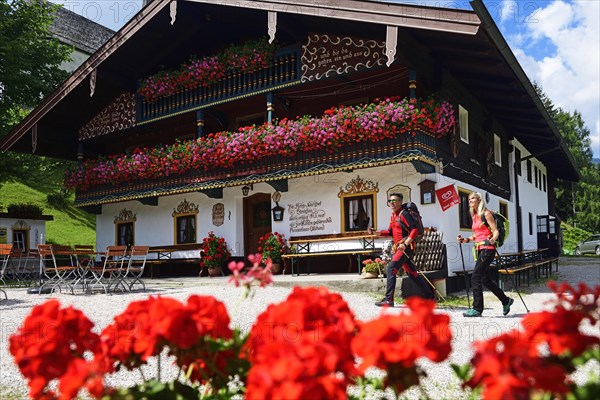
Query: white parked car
[590, 245]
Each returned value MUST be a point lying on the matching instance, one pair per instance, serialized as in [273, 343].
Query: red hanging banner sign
[447, 196]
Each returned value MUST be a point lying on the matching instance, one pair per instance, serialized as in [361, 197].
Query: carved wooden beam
[406, 15]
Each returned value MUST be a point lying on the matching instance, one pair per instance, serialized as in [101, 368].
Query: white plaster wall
[37, 231]
[533, 200]
[154, 225]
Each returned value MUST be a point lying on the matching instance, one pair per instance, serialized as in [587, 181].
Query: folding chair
[84, 257]
[15, 260]
[5, 251]
[58, 267]
[29, 266]
[110, 271]
[135, 267]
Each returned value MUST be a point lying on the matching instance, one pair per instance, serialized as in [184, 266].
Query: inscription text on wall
[307, 217]
[324, 56]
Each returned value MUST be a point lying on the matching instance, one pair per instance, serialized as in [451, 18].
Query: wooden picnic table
[330, 246]
[522, 263]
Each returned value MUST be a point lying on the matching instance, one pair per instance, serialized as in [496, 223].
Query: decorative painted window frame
[357, 188]
[125, 217]
[185, 209]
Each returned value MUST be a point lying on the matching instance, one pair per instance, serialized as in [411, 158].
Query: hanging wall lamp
[277, 210]
[246, 189]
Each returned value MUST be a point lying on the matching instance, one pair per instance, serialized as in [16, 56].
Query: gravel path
[102, 308]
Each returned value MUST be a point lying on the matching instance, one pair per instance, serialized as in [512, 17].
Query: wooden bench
[523, 264]
[517, 273]
[307, 247]
[164, 255]
[428, 255]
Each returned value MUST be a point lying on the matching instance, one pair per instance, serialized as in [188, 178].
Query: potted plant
[273, 246]
[373, 268]
[214, 253]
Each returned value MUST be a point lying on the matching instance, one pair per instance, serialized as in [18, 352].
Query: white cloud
[570, 76]
[508, 7]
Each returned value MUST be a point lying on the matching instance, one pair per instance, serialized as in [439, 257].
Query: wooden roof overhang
[479, 58]
[485, 65]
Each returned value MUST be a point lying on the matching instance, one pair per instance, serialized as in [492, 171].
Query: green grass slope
[572, 236]
[70, 225]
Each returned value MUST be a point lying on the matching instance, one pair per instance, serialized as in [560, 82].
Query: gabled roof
[77, 31]
[481, 61]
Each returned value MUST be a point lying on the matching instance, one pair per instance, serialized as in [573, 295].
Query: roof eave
[83, 72]
[492, 30]
[377, 12]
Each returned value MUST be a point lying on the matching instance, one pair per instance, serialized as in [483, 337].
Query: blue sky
[557, 43]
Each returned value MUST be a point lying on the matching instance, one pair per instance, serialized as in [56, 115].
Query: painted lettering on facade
[119, 115]
[324, 56]
[308, 217]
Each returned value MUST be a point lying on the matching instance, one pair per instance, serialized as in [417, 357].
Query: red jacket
[395, 229]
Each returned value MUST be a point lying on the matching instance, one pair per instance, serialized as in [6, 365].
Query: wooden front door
[547, 234]
[257, 220]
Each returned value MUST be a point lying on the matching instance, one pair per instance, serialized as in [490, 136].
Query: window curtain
[187, 230]
[361, 213]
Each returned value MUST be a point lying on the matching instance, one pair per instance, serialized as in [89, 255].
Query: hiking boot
[385, 303]
[471, 313]
[506, 307]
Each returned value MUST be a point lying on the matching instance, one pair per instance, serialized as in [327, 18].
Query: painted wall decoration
[117, 116]
[185, 208]
[218, 214]
[308, 216]
[359, 185]
[324, 56]
[403, 190]
[125, 215]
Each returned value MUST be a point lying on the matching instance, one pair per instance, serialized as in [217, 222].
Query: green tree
[30, 60]
[576, 202]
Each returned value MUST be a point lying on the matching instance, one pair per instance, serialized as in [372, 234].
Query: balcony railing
[285, 71]
[403, 148]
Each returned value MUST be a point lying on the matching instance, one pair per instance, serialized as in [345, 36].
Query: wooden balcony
[418, 148]
[285, 71]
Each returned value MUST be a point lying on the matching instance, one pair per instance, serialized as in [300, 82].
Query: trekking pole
[465, 273]
[423, 275]
[432, 285]
[514, 279]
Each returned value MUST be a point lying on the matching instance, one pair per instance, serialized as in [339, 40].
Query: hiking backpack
[501, 223]
[414, 219]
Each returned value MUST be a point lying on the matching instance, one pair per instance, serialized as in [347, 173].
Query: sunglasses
[390, 201]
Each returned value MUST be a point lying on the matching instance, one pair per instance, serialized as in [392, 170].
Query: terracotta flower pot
[276, 268]
[368, 275]
[214, 271]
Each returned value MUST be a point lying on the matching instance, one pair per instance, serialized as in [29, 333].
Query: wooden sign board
[324, 56]
[218, 214]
